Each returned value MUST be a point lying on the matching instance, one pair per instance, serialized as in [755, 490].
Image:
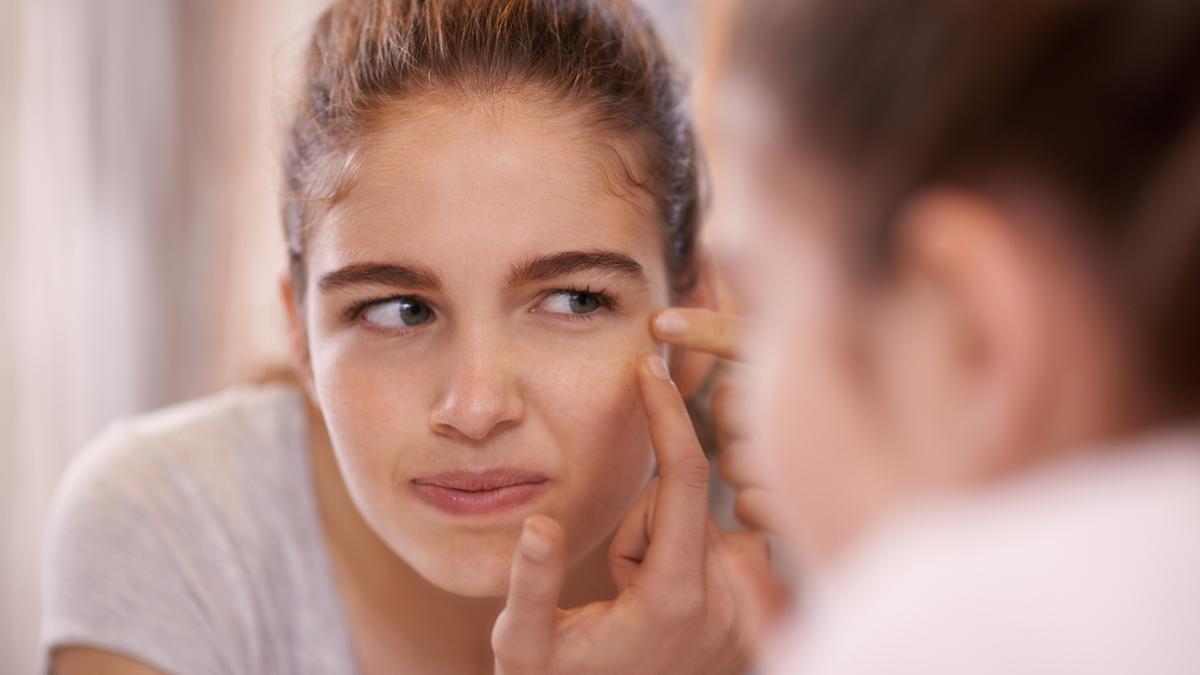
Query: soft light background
[138, 231]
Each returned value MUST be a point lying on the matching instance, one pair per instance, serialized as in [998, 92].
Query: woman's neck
[396, 618]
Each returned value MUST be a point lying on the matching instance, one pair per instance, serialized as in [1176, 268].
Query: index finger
[678, 538]
[701, 329]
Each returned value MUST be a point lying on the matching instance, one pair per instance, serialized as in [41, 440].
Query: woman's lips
[470, 492]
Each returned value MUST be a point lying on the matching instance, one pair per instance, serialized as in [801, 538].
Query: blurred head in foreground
[975, 236]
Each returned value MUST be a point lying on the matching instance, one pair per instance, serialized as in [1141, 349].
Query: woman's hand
[762, 598]
[721, 335]
[676, 611]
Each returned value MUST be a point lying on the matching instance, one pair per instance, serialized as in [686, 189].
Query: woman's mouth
[480, 492]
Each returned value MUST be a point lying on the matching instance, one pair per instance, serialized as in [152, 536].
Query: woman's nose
[480, 398]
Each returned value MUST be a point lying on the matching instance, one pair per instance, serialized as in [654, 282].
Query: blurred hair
[600, 57]
[1097, 100]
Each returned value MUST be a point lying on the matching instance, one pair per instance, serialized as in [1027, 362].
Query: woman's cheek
[370, 408]
[590, 403]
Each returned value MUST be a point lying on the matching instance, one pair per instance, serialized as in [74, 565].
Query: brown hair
[601, 56]
[1098, 99]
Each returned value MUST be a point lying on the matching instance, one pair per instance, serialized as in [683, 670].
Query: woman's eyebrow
[410, 277]
[554, 265]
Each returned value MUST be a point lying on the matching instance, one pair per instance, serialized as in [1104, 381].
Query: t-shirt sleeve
[117, 573]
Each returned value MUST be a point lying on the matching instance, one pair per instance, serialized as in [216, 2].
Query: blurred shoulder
[225, 436]
[1099, 551]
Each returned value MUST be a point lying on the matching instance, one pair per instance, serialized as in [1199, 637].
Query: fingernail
[670, 323]
[658, 367]
[535, 545]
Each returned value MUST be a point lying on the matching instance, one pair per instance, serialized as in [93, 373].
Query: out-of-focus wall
[9, 478]
[8, 141]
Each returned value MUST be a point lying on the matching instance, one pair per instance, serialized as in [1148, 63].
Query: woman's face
[476, 305]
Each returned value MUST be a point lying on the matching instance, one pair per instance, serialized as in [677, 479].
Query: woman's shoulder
[1059, 548]
[177, 534]
[233, 416]
[211, 467]
[227, 436]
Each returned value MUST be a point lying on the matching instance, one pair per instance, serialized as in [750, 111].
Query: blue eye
[572, 302]
[398, 313]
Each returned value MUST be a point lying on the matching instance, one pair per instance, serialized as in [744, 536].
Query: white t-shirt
[189, 539]
[1090, 567]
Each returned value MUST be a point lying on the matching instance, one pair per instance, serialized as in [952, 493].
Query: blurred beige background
[138, 231]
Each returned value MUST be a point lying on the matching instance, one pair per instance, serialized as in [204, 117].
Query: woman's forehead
[495, 253]
[486, 186]
[517, 144]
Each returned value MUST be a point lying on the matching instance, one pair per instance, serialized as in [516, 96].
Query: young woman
[974, 229]
[484, 203]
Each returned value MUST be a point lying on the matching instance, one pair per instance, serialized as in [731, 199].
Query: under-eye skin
[399, 313]
[575, 304]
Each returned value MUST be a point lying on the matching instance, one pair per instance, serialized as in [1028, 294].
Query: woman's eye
[572, 302]
[398, 313]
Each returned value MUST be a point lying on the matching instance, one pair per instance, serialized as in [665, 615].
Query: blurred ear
[296, 332]
[971, 338]
[691, 368]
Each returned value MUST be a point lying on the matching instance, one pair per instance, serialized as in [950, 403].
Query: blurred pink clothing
[1088, 566]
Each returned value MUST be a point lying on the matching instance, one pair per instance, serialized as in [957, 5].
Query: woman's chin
[479, 573]
[481, 582]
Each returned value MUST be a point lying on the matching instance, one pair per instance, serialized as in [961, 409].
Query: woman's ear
[293, 313]
[691, 368]
[974, 331]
